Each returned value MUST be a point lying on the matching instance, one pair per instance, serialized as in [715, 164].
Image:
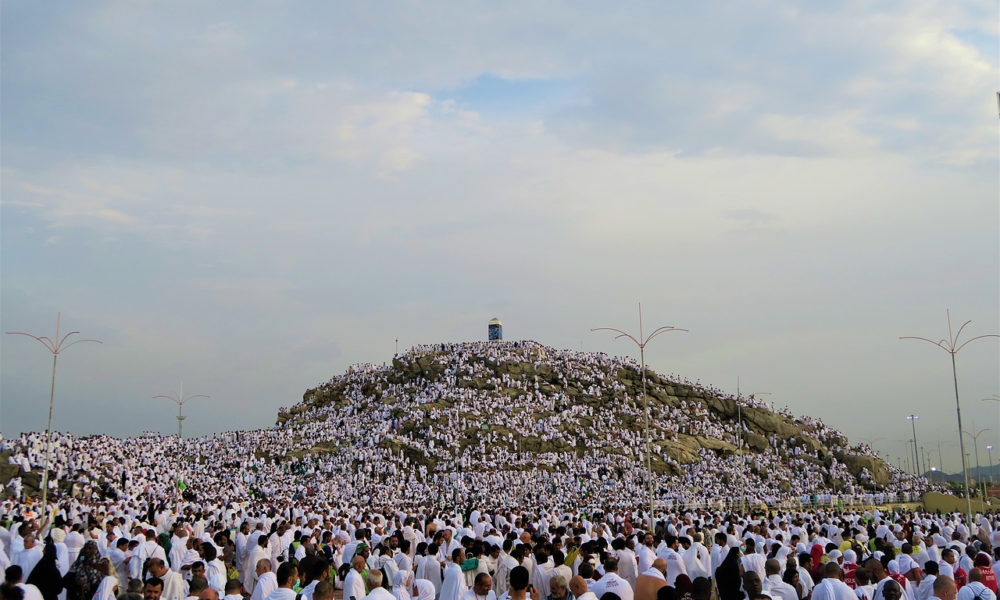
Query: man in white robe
[29, 556]
[120, 559]
[429, 568]
[377, 591]
[259, 552]
[266, 580]
[453, 587]
[627, 566]
[354, 585]
[832, 588]
[174, 587]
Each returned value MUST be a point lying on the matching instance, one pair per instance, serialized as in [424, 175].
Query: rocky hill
[546, 407]
[501, 424]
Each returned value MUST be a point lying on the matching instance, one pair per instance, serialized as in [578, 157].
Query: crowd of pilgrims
[145, 548]
[373, 470]
[433, 437]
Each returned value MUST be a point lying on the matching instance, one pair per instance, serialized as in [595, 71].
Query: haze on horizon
[250, 197]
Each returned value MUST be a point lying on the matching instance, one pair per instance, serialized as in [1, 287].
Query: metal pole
[641, 343]
[961, 442]
[990, 450]
[916, 457]
[55, 346]
[48, 438]
[952, 347]
[743, 458]
[649, 459]
[979, 473]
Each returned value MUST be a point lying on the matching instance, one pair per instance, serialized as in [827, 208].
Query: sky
[245, 198]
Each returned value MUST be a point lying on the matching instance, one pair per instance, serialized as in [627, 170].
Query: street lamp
[975, 442]
[990, 449]
[916, 458]
[941, 454]
[952, 347]
[906, 454]
[641, 342]
[55, 346]
[181, 399]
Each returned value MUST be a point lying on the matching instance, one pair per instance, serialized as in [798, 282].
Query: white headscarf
[401, 582]
[425, 589]
[106, 591]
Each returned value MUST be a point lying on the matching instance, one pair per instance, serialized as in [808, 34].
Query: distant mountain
[982, 474]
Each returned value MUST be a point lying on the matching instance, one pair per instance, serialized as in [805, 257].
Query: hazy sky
[248, 197]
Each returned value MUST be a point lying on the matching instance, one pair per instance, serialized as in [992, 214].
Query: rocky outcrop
[531, 365]
[857, 465]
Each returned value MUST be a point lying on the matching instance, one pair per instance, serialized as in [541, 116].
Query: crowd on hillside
[548, 442]
[469, 431]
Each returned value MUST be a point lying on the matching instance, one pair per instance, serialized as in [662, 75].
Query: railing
[816, 501]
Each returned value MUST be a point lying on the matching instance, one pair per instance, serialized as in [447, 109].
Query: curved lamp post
[56, 346]
[952, 347]
[641, 343]
[181, 399]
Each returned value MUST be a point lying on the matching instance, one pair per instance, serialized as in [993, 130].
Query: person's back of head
[701, 588]
[13, 574]
[832, 570]
[666, 593]
[611, 564]
[197, 586]
[233, 587]
[772, 567]
[518, 578]
[317, 569]
[931, 568]
[975, 574]
[10, 591]
[942, 585]
[586, 570]
[374, 579]
[286, 571]
[323, 591]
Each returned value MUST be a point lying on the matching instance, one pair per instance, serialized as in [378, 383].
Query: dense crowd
[461, 432]
[526, 459]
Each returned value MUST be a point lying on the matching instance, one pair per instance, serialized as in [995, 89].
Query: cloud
[257, 198]
[752, 216]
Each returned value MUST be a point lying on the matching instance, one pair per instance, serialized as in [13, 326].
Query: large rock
[856, 465]
[769, 422]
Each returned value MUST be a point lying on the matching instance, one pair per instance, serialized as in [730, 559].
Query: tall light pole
[916, 458]
[995, 398]
[906, 454]
[641, 343]
[181, 399]
[941, 454]
[975, 442]
[56, 346]
[952, 347]
[990, 450]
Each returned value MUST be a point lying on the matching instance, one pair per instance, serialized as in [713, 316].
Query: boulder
[856, 464]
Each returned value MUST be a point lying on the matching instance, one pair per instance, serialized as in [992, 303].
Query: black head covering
[727, 576]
